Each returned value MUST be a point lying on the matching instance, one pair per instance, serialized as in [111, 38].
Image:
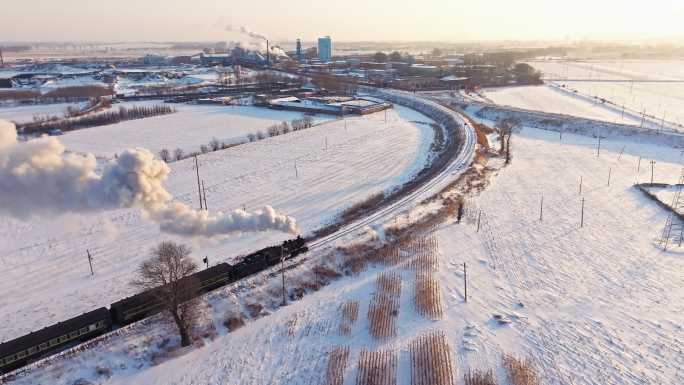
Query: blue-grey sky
[347, 20]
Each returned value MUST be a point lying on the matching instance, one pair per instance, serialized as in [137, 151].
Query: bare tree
[204, 149]
[308, 121]
[215, 144]
[505, 128]
[178, 153]
[274, 130]
[165, 155]
[260, 135]
[168, 273]
[251, 137]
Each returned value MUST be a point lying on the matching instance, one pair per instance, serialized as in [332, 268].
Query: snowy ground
[550, 99]
[598, 304]
[188, 128]
[660, 100]
[47, 278]
[25, 114]
[611, 69]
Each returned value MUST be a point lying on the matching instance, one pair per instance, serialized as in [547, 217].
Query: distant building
[155, 60]
[299, 49]
[325, 49]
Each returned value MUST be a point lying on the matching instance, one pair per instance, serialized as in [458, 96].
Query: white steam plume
[37, 177]
[251, 40]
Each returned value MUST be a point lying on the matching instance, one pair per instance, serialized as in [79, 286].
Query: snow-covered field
[551, 99]
[188, 128]
[611, 69]
[46, 274]
[25, 114]
[598, 304]
[661, 100]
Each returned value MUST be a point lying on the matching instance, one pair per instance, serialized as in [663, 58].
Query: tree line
[215, 144]
[100, 119]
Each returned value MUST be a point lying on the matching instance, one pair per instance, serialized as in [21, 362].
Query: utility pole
[541, 208]
[2, 60]
[580, 186]
[199, 188]
[326, 143]
[610, 170]
[598, 149]
[582, 217]
[465, 281]
[621, 152]
[206, 261]
[204, 192]
[296, 171]
[479, 216]
[639, 165]
[282, 269]
[90, 261]
[652, 165]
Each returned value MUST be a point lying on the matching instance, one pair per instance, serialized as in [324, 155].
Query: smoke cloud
[251, 40]
[37, 177]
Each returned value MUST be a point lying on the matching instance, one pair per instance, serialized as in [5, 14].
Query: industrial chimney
[268, 55]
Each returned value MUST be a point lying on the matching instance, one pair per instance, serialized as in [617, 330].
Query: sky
[350, 20]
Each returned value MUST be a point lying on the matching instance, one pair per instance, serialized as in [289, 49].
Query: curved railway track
[450, 169]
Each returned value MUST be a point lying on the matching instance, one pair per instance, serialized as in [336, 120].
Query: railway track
[456, 166]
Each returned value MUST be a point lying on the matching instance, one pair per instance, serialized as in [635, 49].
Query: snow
[25, 114]
[46, 280]
[80, 81]
[653, 86]
[600, 304]
[550, 99]
[594, 304]
[659, 100]
[188, 128]
[611, 69]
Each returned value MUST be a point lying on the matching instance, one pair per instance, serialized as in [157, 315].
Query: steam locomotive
[43, 343]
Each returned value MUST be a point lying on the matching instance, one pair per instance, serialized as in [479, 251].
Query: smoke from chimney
[38, 178]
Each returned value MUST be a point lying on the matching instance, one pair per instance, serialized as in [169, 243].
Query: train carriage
[34, 346]
[24, 350]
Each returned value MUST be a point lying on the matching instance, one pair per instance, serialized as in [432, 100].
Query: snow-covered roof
[452, 78]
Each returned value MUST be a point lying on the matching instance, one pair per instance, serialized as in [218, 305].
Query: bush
[215, 145]
[178, 154]
[273, 131]
[165, 155]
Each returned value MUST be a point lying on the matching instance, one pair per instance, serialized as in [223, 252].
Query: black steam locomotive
[40, 344]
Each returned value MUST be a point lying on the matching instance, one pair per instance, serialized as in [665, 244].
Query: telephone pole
[199, 188]
[204, 192]
[465, 281]
[90, 261]
[582, 217]
[652, 165]
[282, 270]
